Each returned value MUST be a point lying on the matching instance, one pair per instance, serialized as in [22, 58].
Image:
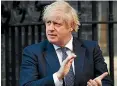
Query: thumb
[68, 59]
[102, 76]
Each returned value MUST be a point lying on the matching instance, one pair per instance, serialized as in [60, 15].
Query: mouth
[52, 35]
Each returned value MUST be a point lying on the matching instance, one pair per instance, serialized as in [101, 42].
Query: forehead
[56, 16]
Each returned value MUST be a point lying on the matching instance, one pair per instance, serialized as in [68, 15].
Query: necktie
[69, 78]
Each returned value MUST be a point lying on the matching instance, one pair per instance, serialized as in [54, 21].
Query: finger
[98, 81]
[89, 84]
[68, 59]
[93, 82]
[103, 75]
[65, 62]
[70, 62]
[73, 54]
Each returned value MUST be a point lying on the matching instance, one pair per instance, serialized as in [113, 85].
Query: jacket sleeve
[29, 75]
[100, 66]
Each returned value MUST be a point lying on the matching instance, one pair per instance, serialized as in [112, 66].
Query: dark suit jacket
[40, 62]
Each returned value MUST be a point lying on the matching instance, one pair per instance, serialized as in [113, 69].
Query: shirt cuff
[57, 82]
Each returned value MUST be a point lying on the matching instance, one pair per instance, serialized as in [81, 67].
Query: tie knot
[63, 49]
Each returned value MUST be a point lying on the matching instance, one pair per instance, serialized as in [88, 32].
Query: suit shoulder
[38, 46]
[89, 43]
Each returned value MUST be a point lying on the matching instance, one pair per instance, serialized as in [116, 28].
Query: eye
[57, 24]
[48, 22]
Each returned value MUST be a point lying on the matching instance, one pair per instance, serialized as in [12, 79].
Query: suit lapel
[51, 58]
[79, 60]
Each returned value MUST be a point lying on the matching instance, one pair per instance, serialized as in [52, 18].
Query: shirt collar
[68, 45]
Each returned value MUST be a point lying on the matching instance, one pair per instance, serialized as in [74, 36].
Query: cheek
[63, 32]
[46, 32]
[47, 29]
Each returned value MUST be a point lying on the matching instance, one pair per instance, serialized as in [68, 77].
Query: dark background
[22, 25]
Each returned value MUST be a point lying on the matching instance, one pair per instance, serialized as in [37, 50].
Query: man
[63, 60]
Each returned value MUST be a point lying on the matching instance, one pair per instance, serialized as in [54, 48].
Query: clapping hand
[97, 81]
[65, 66]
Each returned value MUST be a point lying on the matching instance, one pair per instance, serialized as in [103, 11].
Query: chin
[54, 41]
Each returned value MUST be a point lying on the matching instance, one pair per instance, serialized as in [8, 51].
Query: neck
[63, 43]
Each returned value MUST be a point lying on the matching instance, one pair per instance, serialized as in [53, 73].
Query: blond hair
[65, 7]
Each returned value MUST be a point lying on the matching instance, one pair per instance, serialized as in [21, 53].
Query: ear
[71, 29]
[72, 26]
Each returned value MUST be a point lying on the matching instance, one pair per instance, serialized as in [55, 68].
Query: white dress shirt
[69, 45]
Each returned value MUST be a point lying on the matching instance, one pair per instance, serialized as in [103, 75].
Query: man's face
[57, 31]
